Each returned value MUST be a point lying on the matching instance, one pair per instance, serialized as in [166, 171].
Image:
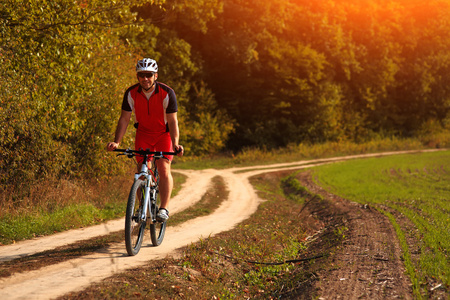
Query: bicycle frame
[150, 188]
[150, 176]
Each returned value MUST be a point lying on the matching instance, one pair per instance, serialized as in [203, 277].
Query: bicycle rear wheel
[157, 231]
[134, 225]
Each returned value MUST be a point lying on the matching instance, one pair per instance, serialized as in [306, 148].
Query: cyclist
[155, 111]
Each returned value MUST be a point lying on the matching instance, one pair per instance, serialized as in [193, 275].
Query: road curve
[56, 280]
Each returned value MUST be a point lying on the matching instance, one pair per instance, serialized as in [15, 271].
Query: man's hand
[112, 146]
[179, 149]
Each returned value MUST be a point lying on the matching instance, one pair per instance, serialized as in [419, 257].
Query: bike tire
[134, 226]
[157, 231]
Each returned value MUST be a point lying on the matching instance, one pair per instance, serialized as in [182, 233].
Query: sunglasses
[144, 75]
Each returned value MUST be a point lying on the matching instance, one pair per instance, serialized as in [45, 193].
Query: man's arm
[172, 122]
[122, 125]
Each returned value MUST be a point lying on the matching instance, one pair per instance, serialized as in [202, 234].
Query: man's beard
[149, 87]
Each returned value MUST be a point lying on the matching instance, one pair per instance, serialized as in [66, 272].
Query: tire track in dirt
[180, 202]
[76, 274]
[56, 280]
[368, 264]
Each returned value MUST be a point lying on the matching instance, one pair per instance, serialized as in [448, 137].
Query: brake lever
[127, 153]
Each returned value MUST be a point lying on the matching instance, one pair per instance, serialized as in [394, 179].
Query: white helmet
[147, 65]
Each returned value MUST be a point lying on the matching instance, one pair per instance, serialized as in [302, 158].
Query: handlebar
[131, 153]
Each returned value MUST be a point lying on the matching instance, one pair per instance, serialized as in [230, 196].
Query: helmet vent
[147, 65]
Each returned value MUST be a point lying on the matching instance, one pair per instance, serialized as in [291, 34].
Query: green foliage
[210, 126]
[293, 189]
[245, 74]
[204, 128]
[296, 71]
[62, 66]
[195, 15]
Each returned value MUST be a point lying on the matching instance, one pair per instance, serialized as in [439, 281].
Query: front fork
[149, 193]
[150, 196]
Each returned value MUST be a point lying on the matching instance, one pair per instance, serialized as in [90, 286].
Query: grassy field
[414, 192]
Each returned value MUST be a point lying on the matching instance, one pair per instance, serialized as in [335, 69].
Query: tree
[204, 129]
[60, 73]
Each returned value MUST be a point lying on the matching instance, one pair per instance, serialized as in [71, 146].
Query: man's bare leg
[165, 181]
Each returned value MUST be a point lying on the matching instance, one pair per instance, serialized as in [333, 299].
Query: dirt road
[55, 280]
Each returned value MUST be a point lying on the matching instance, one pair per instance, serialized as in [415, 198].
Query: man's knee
[164, 168]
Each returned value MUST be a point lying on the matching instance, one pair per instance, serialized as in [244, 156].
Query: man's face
[147, 79]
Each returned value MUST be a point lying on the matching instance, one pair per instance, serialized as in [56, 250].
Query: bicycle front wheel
[134, 225]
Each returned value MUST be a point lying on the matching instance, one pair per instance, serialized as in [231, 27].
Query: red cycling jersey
[151, 113]
[153, 131]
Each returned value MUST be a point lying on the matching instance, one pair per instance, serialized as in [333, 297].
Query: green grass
[415, 187]
[94, 209]
[19, 227]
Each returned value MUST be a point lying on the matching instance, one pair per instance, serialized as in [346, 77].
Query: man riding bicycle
[155, 110]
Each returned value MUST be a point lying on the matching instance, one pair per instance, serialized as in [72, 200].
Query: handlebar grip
[120, 150]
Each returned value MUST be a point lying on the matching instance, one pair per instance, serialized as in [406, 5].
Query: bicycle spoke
[134, 225]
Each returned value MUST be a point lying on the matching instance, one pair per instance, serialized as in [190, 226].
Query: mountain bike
[142, 205]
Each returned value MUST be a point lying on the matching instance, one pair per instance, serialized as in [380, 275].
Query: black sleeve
[125, 105]
[172, 107]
